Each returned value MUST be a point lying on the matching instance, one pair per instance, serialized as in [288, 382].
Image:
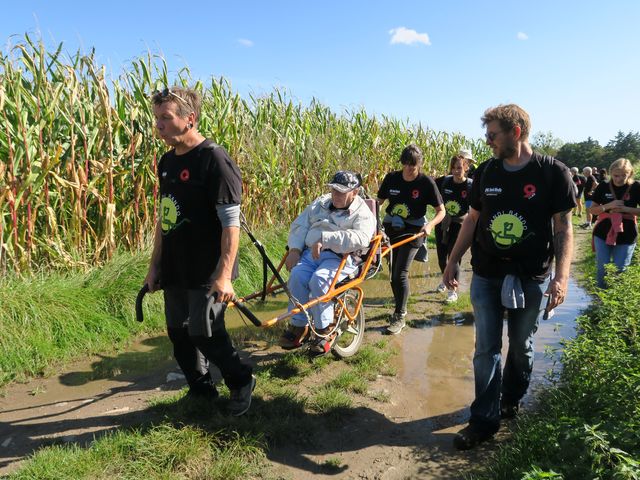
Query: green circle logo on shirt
[507, 230]
[169, 213]
[401, 210]
[452, 207]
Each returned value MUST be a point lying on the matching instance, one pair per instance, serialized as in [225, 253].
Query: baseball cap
[466, 153]
[344, 181]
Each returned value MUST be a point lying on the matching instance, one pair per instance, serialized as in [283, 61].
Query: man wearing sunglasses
[195, 247]
[519, 220]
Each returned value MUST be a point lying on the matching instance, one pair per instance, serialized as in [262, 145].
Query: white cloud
[522, 36]
[245, 42]
[408, 36]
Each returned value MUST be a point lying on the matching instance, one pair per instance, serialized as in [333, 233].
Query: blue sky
[573, 65]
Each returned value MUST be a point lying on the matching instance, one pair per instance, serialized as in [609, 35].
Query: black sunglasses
[166, 92]
[491, 136]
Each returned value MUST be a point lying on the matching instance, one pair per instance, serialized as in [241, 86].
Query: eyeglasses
[491, 136]
[166, 92]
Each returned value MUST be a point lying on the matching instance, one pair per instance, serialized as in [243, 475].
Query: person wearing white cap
[335, 224]
[466, 154]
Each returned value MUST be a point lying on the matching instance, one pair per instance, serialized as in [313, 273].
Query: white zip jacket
[342, 231]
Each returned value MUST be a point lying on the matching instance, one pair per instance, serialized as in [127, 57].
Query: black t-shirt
[580, 181]
[514, 230]
[603, 195]
[589, 187]
[455, 196]
[191, 185]
[409, 200]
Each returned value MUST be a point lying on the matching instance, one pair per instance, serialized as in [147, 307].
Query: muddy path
[408, 436]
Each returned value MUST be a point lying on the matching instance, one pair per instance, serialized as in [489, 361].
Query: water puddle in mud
[437, 353]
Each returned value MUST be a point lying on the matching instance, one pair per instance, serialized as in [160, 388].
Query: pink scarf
[616, 225]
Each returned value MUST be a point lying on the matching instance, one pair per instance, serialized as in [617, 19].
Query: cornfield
[78, 153]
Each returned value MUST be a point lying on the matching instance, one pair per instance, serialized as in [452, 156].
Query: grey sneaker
[396, 323]
[240, 399]
[441, 288]
[452, 296]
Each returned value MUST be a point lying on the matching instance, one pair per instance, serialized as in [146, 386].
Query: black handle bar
[143, 291]
[240, 306]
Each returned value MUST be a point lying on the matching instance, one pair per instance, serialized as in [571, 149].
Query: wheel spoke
[351, 329]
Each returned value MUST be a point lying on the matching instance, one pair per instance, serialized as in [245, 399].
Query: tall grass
[78, 155]
[48, 320]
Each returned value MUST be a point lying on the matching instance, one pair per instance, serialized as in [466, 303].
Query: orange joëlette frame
[375, 247]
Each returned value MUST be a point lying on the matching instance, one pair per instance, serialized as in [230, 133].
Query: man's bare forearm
[157, 247]
[465, 237]
[562, 244]
[229, 242]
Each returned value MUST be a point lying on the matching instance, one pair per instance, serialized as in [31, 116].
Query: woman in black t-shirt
[455, 189]
[409, 192]
[616, 204]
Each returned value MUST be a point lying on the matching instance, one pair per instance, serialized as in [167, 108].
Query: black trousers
[444, 249]
[195, 342]
[401, 261]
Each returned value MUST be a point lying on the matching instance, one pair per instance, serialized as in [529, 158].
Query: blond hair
[622, 164]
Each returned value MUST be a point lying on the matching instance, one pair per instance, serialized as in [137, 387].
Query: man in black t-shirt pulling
[195, 247]
[519, 219]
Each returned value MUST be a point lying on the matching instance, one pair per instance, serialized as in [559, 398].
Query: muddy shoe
[240, 399]
[294, 337]
[509, 409]
[322, 345]
[396, 323]
[452, 296]
[469, 437]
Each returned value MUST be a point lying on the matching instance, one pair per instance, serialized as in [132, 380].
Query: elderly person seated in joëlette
[336, 223]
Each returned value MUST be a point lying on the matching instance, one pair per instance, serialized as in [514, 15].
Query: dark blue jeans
[490, 381]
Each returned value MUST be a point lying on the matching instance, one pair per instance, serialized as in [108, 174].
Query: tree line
[589, 152]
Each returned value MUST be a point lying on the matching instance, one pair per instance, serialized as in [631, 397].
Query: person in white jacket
[335, 224]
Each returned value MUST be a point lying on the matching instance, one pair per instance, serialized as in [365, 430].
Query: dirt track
[408, 437]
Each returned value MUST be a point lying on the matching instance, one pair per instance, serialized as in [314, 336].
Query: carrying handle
[143, 291]
[239, 305]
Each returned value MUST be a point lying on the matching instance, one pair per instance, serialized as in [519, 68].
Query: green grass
[332, 401]
[50, 319]
[373, 360]
[56, 318]
[158, 452]
[588, 424]
[180, 442]
[350, 381]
